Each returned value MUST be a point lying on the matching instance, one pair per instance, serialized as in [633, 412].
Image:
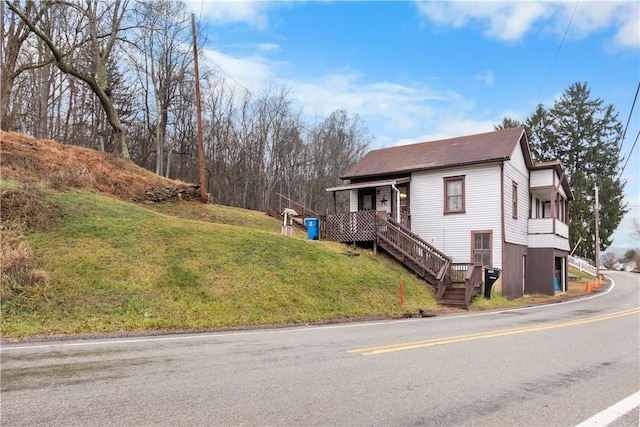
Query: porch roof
[368, 184]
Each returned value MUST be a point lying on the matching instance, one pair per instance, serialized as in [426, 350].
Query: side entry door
[367, 199]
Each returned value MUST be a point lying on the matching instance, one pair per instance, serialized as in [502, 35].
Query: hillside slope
[79, 257]
[61, 167]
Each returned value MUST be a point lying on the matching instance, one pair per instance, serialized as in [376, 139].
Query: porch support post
[335, 203]
[397, 202]
[375, 235]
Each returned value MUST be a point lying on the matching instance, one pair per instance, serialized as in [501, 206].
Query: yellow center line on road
[460, 338]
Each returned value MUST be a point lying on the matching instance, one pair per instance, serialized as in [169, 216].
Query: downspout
[393, 186]
[504, 239]
[554, 204]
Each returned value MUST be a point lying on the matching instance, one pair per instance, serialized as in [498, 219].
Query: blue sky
[418, 71]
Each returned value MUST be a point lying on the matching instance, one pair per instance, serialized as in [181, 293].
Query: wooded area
[118, 76]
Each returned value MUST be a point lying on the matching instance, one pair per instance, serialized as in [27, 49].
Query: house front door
[367, 199]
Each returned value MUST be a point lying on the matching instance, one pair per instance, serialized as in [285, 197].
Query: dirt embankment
[61, 167]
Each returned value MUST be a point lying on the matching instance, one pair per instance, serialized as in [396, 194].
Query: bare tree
[101, 22]
[15, 33]
[337, 143]
[609, 259]
[163, 43]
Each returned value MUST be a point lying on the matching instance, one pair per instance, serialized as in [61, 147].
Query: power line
[564, 36]
[219, 67]
[630, 113]
[624, 133]
[628, 157]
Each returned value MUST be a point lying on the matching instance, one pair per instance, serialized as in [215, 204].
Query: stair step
[454, 297]
[457, 303]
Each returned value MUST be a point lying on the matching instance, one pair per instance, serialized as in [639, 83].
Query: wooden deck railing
[427, 261]
[473, 280]
[280, 202]
[348, 227]
[468, 276]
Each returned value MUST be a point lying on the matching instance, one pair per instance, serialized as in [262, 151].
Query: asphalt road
[557, 365]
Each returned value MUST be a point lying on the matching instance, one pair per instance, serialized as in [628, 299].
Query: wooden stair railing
[455, 283]
[281, 202]
[463, 281]
[409, 248]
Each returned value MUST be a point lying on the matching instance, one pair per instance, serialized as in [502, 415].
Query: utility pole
[203, 192]
[597, 215]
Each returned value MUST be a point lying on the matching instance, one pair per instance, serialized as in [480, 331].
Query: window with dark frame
[454, 194]
[481, 249]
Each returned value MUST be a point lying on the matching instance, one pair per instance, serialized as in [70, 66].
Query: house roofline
[428, 168]
[367, 184]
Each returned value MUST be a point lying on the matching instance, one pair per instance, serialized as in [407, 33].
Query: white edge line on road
[89, 342]
[551, 304]
[613, 412]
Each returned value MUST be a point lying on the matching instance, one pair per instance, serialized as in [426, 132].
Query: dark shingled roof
[464, 150]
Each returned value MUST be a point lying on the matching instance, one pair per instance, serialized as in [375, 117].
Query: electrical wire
[624, 133]
[564, 36]
[630, 114]
[630, 152]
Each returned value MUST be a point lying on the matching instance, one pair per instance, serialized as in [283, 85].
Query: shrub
[27, 209]
[18, 278]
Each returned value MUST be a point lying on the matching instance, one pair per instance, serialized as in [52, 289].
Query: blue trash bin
[312, 227]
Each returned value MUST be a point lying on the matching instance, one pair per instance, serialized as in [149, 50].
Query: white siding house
[451, 232]
[477, 199]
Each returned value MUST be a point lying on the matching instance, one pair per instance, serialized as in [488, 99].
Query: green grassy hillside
[84, 249]
[114, 266]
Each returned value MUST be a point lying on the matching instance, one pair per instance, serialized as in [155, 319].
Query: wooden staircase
[280, 202]
[455, 283]
[407, 247]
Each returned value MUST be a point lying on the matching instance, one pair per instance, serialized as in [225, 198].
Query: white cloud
[629, 33]
[486, 78]
[502, 20]
[252, 13]
[268, 47]
[450, 127]
[511, 21]
[250, 72]
[392, 111]
[624, 237]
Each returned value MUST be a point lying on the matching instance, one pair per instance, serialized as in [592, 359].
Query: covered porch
[389, 198]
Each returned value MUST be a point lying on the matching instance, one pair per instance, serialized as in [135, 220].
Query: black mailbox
[490, 276]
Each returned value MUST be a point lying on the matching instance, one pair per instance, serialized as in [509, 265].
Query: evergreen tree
[508, 123]
[585, 135]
